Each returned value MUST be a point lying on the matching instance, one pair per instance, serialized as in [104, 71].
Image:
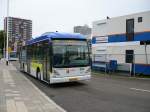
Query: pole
[105, 63]
[4, 49]
[134, 64]
[146, 52]
[7, 54]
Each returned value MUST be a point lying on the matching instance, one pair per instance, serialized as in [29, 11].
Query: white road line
[143, 90]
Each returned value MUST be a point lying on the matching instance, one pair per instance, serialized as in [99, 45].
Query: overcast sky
[62, 15]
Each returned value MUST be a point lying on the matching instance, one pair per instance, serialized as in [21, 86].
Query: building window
[139, 19]
[129, 56]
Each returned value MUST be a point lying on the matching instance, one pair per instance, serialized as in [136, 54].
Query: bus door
[45, 61]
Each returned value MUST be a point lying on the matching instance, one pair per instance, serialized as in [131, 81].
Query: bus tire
[38, 74]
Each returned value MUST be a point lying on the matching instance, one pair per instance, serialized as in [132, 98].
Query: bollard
[7, 63]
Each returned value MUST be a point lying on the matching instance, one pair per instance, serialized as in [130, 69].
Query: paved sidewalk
[18, 94]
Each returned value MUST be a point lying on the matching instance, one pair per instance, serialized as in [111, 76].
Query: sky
[63, 15]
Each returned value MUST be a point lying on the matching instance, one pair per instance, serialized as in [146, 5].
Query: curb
[44, 95]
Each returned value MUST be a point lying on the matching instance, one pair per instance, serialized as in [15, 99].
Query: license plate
[73, 79]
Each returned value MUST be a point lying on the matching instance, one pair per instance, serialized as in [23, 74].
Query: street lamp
[7, 54]
[4, 49]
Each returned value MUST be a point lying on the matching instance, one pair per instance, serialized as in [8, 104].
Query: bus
[57, 57]
[13, 56]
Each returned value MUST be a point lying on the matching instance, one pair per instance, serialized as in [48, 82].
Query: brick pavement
[18, 94]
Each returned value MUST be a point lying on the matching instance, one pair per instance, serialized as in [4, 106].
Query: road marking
[143, 90]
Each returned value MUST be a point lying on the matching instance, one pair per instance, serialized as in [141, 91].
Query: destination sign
[69, 42]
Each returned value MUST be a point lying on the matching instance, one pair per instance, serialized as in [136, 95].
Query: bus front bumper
[69, 79]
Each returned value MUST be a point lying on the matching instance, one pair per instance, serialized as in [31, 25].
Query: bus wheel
[38, 74]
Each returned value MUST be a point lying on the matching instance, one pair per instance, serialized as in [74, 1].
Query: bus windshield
[13, 55]
[70, 55]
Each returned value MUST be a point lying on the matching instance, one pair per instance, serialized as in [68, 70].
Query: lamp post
[145, 44]
[4, 49]
[7, 53]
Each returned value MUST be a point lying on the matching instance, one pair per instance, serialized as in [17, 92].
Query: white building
[125, 39]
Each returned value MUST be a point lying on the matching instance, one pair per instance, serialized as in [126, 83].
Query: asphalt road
[101, 94]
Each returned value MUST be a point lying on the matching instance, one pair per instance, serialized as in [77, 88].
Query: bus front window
[70, 55]
[13, 55]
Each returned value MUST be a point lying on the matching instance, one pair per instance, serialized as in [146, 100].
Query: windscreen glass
[70, 53]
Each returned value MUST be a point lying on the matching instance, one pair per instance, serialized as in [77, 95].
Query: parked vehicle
[57, 57]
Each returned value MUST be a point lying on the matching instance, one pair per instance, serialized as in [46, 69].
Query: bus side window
[39, 51]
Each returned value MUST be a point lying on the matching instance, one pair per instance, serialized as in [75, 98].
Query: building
[19, 31]
[84, 30]
[125, 39]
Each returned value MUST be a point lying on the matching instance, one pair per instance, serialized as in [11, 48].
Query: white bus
[13, 56]
[57, 57]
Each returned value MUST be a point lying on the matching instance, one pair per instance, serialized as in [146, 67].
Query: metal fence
[132, 63]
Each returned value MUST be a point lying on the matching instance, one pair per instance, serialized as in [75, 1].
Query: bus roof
[55, 35]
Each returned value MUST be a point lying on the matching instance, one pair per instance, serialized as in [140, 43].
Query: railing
[132, 63]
